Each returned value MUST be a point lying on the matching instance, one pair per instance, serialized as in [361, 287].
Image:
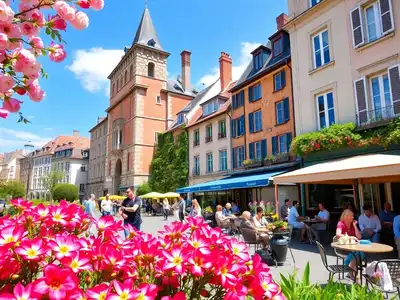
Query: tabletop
[370, 248]
[312, 221]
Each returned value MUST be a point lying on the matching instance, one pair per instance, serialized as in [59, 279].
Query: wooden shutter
[234, 160]
[243, 126]
[394, 77]
[361, 101]
[233, 101]
[263, 149]
[286, 112]
[386, 16]
[357, 27]
[251, 94]
[274, 145]
[241, 99]
[251, 150]
[283, 79]
[251, 122]
[233, 128]
[288, 140]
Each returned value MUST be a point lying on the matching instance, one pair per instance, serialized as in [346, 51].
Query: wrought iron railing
[208, 139]
[379, 115]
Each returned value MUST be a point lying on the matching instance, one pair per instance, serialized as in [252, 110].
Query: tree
[143, 189]
[14, 189]
[65, 191]
[55, 177]
[21, 44]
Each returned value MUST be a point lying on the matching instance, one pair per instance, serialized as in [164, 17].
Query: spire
[146, 33]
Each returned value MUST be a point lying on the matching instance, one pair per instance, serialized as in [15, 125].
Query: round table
[366, 248]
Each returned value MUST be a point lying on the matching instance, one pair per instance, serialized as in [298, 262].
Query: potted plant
[269, 160]
[277, 226]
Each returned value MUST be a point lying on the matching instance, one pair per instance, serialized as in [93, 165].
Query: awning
[231, 183]
[374, 168]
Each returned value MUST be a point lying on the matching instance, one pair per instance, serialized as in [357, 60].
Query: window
[40, 171]
[208, 133]
[255, 121]
[117, 139]
[126, 77]
[326, 110]
[258, 61]
[281, 143]
[282, 111]
[158, 100]
[258, 150]
[279, 80]
[12, 169]
[128, 162]
[321, 49]
[181, 118]
[81, 188]
[255, 93]
[278, 46]
[196, 168]
[223, 160]
[240, 155]
[196, 138]
[210, 107]
[314, 2]
[237, 127]
[238, 100]
[150, 69]
[156, 137]
[381, 97]
[131, 72]
[221, 129]
[83, 168]
[282, 140]
[209, 162]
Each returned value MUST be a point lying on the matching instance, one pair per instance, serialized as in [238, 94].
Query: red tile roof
[58, 142]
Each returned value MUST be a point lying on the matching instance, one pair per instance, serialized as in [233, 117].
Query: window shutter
[357, 27]
[251, 96]
[251, 150]
[274, 145]
[394, 77]
[233, 128]
[243, 126]
[234, 161]
[241, 98]
[283, 79]
[286, 112]
[361, 100]
[234, 101]
[386, 16]
[263, 149]
[288, 140]
[251, 122]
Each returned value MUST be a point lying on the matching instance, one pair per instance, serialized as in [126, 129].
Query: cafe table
[365, 248]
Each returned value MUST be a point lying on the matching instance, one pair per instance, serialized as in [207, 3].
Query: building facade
[10, 165]
[143, 103]
[97, 158]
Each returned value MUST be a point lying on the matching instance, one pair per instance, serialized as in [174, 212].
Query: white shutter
[360, 93]
[387, 21]
[394, 78]
[357, 27]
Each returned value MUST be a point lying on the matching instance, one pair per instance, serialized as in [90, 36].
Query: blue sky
[76, 89]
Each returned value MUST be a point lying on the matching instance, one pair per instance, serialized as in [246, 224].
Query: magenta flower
[124, 290]
[175, 260]
[77, 262]
[20, 293]
[99, 292]
[270, 287]
[199, 262]
[239, 249]
[31, 249]
[145, 292]
[64, 246]
[12, 234]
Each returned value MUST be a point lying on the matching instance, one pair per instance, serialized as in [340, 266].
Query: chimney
[185, 55]
[225, 70]
[281, 21]
[75, 133]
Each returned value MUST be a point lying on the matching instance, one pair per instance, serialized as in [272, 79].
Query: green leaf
[48, 31]
[43, 52]
[306, 275]
[53, 36]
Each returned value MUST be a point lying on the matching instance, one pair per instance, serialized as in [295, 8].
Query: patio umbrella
[153, 195]
[171, 195]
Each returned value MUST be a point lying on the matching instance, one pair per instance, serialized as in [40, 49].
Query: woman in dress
[196, 209]
[259, 220]
[166, 208]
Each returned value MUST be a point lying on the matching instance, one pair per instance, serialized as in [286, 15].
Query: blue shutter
[242, 126]
[251, 122]
[251, 95]
[274, 145]
[233, 128]
[286, 112]
[241, 98]
[283, 78]
[234, 166]
[234, 101]
[251, 151]
[288, 140]
[263, 149]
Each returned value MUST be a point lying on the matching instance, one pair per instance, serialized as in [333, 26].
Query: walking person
[181, 209]
[130, 210]
[166, 209]
[90, 208]
[106, 206]
[175, 209]
[196, 209]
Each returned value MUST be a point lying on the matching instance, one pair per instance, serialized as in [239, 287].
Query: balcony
[208, 139]
[378, 117]
[196, 143]
[221, 135]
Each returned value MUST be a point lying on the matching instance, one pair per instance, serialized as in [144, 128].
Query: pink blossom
[81, 21]
[63, 246]
[6, 83]
[37, 42]
[31, 249]
[124, 290]
[29, 29]
[6, 13]
[12, 105]
[35, 92]
[97, 4]
[145, 292]
[57, 23]
[3, 41]
[57, 52]
[24, 59]
[19, 293]
[83, 3]
[64, 10]
[98, 292]
[33, 70]
[3, 113]
[38, 18]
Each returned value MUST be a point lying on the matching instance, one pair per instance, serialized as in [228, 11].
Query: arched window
[131, 72]
[126, 77]
[150, 69]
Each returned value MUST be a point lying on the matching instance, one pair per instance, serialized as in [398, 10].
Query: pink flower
[3, 113]
[6, 83]
[64, 10]
[97, 4]
[33, 70]
[145, 292]
[83, 3]
[6, 13]
[57, 23]
[20, 293]
[199, 263]
[12, 105]
[56, 282]
[99, 292]
[29, 29]
[37, 42]
[3, 41]
[77, 262]
[57, 52]
[24, 59]
[81, 21]
[175, 260]
[31, 249]
[124, 290]
[270, 287]
[239, 249]
[178, 296]
[63, 246]
[36, 94]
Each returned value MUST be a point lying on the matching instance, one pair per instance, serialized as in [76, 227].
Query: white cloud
[238, 66]
[16, 139]
[93, 66]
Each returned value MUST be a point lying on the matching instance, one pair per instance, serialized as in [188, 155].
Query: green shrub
[65, 191]
[14, 189]
[38, 201]
[143, 189]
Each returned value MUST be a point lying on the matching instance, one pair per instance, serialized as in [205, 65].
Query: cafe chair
[290, 228]
[250, 238]
[393, 266]
[340, 255]
[332, 269]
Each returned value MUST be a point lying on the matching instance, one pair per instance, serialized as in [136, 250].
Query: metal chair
[340, 255]
[393, 266]
[332, 269]
[250, 238]
[290, 227]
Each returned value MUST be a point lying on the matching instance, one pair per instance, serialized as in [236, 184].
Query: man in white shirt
[370, 225]
[323, 217]
[294, 219]
[106, 206]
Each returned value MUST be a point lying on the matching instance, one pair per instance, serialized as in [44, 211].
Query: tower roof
[146, 34]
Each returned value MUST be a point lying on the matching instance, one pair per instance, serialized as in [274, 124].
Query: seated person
[253, 207]
[235, 208]
[386, 216]
[251, 231]
[285, 208]
[222, 221]
[269, 208]
[323, 216]
[294, 219]
[370, 225]
[227, 210]
[258, 219]
[347, 225]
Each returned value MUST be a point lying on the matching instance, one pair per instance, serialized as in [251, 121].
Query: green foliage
[345, 136]
[14, 189]
[169, 167]
[143, 189]
[65, 191]
[39, 201]
[52, 180]
[295, 289]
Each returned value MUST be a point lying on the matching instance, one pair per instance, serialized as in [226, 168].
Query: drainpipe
[188, 154]
[230, 140]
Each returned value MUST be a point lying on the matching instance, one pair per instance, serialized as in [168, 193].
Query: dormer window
[181, 118]
[210, 107]
[258, 61]
[151, 43]
[278, 46]
[150, 69]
